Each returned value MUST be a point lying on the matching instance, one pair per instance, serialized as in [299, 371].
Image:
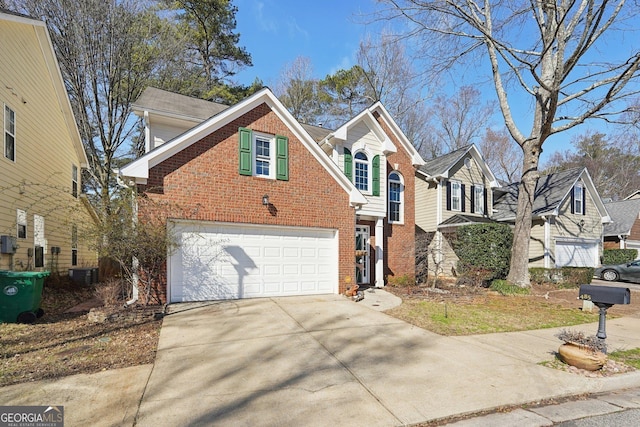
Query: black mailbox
[605, 294]
[604, 297]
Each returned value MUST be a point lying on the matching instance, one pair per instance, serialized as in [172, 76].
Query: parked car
[629, 271]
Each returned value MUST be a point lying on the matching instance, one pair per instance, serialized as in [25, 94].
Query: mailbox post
[604, 297]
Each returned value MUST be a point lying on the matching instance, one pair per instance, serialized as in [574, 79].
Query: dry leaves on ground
[61, 344]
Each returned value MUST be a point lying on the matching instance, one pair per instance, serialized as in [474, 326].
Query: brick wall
[203, 180]
[400, 243]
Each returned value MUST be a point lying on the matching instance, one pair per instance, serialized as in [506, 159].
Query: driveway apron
[325, 360]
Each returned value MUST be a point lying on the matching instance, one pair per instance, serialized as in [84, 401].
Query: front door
[362, 254]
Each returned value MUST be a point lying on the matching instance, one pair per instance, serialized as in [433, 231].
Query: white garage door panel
[576, 254]
[224, 261]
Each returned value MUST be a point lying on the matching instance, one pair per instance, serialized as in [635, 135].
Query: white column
[379, 233]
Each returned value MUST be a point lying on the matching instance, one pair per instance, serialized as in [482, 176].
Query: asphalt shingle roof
[441, 164]
[623, 214]
[161, 100]
[551, 190]
[173, 103]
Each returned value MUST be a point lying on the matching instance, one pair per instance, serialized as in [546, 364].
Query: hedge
[618, 256]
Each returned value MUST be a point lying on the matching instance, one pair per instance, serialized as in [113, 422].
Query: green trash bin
[21, 295]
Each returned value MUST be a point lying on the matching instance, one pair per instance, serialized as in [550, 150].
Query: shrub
[401, 281]
[575, 276]
[475, 276]
[111, 292]
[564, 276]
[484, 247]
[619, 256]
[505, 288]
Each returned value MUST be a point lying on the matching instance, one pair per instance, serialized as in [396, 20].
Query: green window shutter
[375, 178]
[348, 163]
[245, 144]
[282, 158]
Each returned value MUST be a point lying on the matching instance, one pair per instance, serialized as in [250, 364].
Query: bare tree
[502, 155]
[459, 120]
[106, 52]
[613, 163]
[540, 52]
[391, 78]
[297, 89]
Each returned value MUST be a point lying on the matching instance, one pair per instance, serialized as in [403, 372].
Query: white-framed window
[478, 199]
[21, 221]
[9, 133]
[74, 181]
[396, 198]
[361, 171]
[578, 199]
[263, 156]
[456, 196]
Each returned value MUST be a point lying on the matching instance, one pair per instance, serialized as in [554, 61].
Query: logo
[10, 290]
[31, 416]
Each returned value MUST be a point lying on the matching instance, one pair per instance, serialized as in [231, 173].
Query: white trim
[416, 159]
[400, 181]
[481, 202]
[270, 139]
[453, 195]
[6, 131]
[366, 267]
[369, 171]
[379, 234]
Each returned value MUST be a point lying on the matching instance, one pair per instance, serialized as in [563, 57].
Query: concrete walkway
[321, 360]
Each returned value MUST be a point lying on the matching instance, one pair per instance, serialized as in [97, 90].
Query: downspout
[134, 261]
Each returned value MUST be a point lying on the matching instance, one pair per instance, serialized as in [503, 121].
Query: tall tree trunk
[519, 266]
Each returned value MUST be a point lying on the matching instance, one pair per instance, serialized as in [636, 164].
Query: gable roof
[624, 214]
[416, 158]
[55, 76]
[551, 191]
[171, 104]
[440, 167]
[139, 168]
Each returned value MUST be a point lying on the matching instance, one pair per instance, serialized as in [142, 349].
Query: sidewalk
[368, 360]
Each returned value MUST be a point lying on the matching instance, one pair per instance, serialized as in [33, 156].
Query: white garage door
[227, 261]
[576, 254]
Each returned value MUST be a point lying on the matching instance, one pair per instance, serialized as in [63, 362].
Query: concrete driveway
[325, 360]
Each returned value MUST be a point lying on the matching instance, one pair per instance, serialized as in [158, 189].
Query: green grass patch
[498, 314]
[628, 357]
[505, 288]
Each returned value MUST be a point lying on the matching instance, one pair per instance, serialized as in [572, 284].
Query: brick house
[265, 206]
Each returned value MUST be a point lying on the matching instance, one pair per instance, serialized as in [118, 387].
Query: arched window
[396, 198]
[361, 169]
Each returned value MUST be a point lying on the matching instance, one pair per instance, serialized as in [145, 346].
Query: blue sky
[275, 32]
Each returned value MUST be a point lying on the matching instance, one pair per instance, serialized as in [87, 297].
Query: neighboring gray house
[452, 190]
[624, 230]
[567, 219]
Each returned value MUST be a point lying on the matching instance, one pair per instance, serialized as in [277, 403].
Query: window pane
[9, 147]
[455, 196]
[578, 196]
[361, 178]
[478, 199]
[263, 157]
